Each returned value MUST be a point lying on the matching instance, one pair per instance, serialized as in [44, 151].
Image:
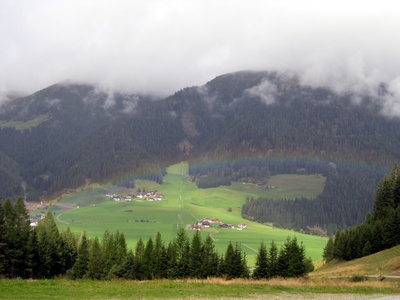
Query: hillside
[69, 134]
[386, 262]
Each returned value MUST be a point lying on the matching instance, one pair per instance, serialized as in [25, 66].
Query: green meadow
[22, 125]
[183, 205]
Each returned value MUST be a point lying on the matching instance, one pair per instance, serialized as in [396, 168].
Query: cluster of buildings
[206, 223]
[147, 195]
[34, 220]
[117, 198]
[150, 195]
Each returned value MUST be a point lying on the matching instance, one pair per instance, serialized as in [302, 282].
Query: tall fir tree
[80, 268]
[2, 244]
[95, 263]
[261, 265]
[182, 253]
[160, 258]
[50, 250]
[69, 243]
[109, 253]
[273, 270]
[148, 260]
[210, 259]
[328, 250]
[17, 234]
[195, 256]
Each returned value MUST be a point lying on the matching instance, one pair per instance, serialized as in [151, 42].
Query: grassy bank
[190, 289]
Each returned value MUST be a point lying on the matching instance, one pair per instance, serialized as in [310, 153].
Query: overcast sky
[164, 46]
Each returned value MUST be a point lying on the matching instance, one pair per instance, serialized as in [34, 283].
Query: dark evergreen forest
[381, 229]
[346, 200]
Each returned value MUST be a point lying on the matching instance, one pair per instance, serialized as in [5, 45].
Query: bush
[358, 278]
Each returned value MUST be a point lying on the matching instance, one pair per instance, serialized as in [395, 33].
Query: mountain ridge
[268, 116]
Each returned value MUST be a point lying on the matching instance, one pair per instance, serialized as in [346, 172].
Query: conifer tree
[328, 250]
[109, 252]
[384, 199]
[120, 247]
[182, 253]
[16, 234]
[69, 243]
[396, 187]
[3, 244]
[273, 270]
[196, 256]
[148, 259]
[49, 248]
[209, 258]
[127, 269]
[171, 259]
[235, 262]
[159, 257]
[80, 267]
[261, 266]
[95, 263]
[139, 253]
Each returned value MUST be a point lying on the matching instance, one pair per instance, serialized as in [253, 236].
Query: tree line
[345, 201]
[380, 230]
[45, 252]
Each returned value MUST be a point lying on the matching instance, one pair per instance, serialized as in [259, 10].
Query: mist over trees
[86, 135]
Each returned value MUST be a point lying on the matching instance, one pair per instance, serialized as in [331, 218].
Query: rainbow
[286, 164]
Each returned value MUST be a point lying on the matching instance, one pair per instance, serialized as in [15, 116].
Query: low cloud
[159, 47]
[265, 91]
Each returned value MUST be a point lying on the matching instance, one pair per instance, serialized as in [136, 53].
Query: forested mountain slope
[74, 133]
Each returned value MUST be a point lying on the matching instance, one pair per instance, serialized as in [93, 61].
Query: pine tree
[80, 267]
[127, 269]
[235, 262]
[282, 263]
[160, 258]
[292, 259]
[16, 235]
[384, 199]
[120, 247]
[3, 270]
[209, 258]
[109, 253]
[95, 263]
[69, 247]
[196, 256]
[139, 253]
[49, 248]
[328, 250]
[148, 259]
[182, 253]
[23, 233]
[396, 187]
[261, 268]
[229, 261]
[273, 270]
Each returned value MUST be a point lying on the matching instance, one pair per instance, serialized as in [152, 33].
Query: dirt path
[66, 207]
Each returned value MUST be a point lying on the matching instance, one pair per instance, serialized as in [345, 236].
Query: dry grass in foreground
[305, 282]
[386, 262]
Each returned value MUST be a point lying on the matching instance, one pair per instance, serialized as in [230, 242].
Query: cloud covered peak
[159, 47]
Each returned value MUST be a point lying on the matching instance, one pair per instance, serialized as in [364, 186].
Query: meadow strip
[188, 289]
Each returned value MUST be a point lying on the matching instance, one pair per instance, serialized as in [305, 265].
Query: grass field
[197, 289]
[20, 125]
[183, 205]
